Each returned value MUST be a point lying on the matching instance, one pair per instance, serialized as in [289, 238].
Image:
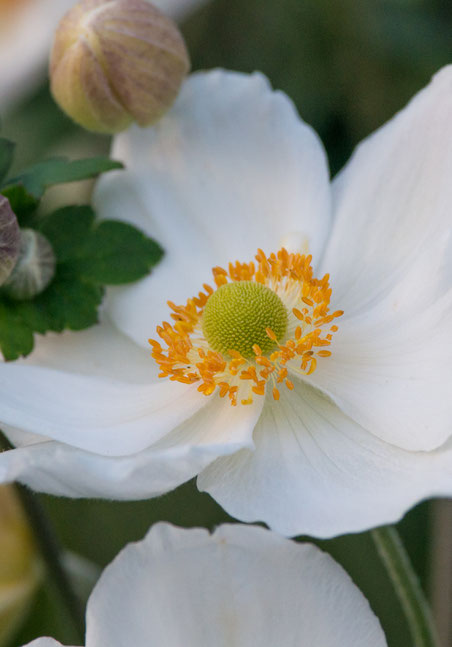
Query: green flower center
[237, 315]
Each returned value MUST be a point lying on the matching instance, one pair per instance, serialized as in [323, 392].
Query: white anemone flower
[26, 33]
[242, 586]
[361, 430]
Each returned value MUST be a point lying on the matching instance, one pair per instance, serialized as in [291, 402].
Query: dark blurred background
[349, 66]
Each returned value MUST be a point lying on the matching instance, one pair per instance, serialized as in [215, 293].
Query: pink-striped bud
[9, 239]
[116, 61]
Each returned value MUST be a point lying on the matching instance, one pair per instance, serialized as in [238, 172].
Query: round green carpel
[237, 315]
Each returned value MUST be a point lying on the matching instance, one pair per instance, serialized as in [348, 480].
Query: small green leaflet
[90, 255]
[39, 177]
[117, 253]
[25, 190]
[16, 336]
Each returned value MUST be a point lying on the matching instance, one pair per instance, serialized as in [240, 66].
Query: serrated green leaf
[33, 313]
[16, 337]
[67, 229]
[70, 303]
[39, 177]
[109, 252]
[117, 253]
[6, 156]
[89, 256]
[22, 203]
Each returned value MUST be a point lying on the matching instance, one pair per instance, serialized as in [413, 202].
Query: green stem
[52, 555]
[407, 586]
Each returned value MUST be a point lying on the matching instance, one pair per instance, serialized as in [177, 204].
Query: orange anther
[270, 334]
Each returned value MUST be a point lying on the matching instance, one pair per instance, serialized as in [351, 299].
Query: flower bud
[9, 239]
[116, 61]
[20, 566]
[35, 266]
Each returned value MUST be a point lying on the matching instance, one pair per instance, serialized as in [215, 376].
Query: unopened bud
[34, 269]
[116, 61]
[9, 239]
[20, 565]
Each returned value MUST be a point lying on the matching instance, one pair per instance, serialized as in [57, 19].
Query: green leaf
[69, 303]
[67, 229]
[22, 203]
[89, 256]
[117, 253]
[33, 313]
[6, 156]
[109, 253]
[39, 177]
[16, 337]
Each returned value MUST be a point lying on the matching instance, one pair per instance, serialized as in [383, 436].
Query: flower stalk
[51, 554]
[406, 584]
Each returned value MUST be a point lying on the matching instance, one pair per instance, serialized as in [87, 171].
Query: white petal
[101, 350]
[217, 430]
[62, 470]
[229, 169]
[316, 472]
[392, 201]
[217, 423]
[394, 377]
[99, 415]
[240, 586]
[43, 642]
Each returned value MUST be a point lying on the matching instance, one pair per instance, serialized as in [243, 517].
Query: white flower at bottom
[241, 586]
[365, 432]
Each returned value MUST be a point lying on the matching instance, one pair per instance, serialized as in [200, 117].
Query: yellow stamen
[189, 358]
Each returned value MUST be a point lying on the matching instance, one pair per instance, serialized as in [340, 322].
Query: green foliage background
[348, 65]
